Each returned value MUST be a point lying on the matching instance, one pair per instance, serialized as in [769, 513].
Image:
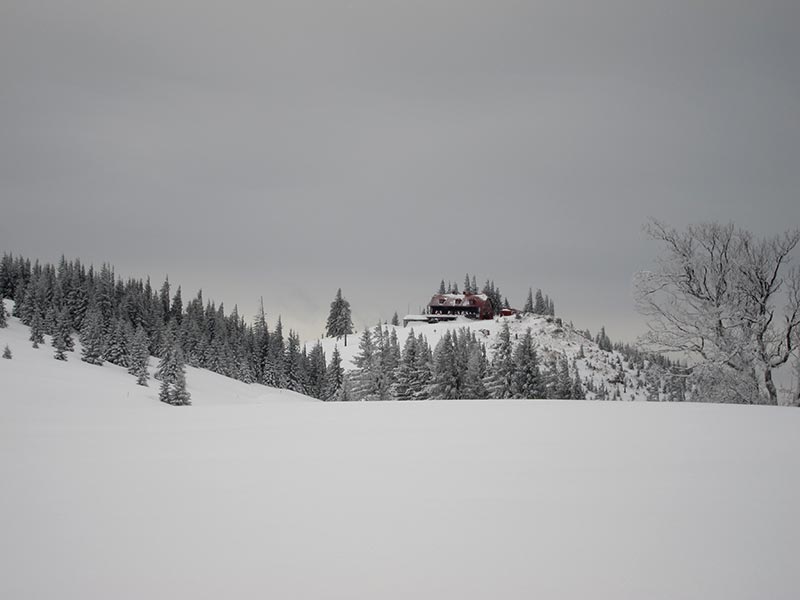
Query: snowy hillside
[551, 338]
[36, 367]
[256, 493]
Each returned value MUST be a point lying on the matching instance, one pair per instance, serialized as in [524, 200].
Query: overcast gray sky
[285, 149]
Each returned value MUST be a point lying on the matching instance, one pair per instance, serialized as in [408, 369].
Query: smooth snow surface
[106, 493]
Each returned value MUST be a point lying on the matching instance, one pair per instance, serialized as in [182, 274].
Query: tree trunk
[773, 393]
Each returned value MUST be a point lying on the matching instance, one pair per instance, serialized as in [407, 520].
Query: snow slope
[251, 493]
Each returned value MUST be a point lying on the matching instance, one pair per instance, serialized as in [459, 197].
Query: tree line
[125, 322]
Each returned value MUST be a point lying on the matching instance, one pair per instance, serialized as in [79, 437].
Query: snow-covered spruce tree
[445, 371]
[340, 322]
[172, 374]
[168, 361]
[139, 356]
[117, 352]
[539, 306]
[274, 364]
[527, 380]
[442, 289]
[295, 372]
[564, 380]
[334, 378]
[92, 338]
[577, 387]
[475, 372]
[395, 319]
[404, 374]
[423, 370]
[62, 336]
[528, 308]
[7, 352]
[364, 376]
[316, 371]
[3, 318]
[501, 378]
[467, 285]
[63, 329]
[37, 333]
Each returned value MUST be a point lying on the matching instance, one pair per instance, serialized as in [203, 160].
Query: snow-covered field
[253, 493]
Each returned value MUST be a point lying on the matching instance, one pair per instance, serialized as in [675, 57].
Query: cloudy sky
[285, 149]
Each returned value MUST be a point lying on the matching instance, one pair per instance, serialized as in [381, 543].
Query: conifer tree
[442, 289]
[528, 308]
[467, 285]
[37, 335]
[563, 380]
[404, 377]
[445, 372]
[172, 374]
[334, 378]
[274, 365]
[365, 376]
[62, 336]
[7, 352]
[3, 318]
[117, 352]
[294, 373]
[423, 371]
[501, 379]
[395, 319]
[340, 322]
[527, 378]
[176, 310]
[539, 306]
[577, 386]
[139, 357]
[475, 373]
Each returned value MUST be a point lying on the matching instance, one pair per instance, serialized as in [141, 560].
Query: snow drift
[251, 492]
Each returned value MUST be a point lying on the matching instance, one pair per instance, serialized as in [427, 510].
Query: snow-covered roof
[459, 300]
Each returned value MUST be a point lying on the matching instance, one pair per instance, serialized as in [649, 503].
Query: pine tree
[526, 378]
[475, 373]
[172, 374]
[92, 338]
[294, 373]
[139, 357]
[404, 377]
[60, 337]
[539, 306]
[395, 319]
[577, 386]
[176, 310]
[445, 372]
[3, 318]
[467, 285]
[37, 335]
[117, 352]
[340, 322]
[364, 376]
[442, 289]
[273, 367]
[528, 308]
[7, 352]
[501, 378]
[423, 371]
[334, 378]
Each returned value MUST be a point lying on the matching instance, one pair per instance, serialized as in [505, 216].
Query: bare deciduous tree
[727, 300]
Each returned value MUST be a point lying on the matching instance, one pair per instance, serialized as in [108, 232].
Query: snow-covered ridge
[597, 368]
